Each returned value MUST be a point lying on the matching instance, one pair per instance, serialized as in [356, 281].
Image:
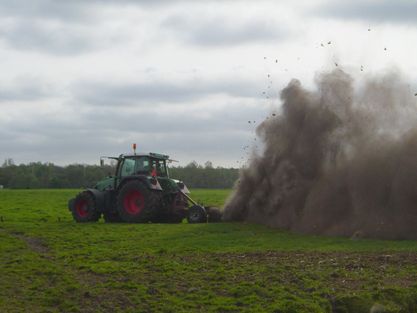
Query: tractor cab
[151, 164]
[151, 168]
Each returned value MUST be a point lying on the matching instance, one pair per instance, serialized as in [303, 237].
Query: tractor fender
[99, 197]
[144, 179]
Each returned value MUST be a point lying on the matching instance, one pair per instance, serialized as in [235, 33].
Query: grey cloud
[222, 31]
[24, 90]
[159, 92]
[230, 118]
[73, 27]
[75, 10]
[401, 11]
[56, 27]
[42, 9]
[74, 148]
[111, 131]
[50, 38]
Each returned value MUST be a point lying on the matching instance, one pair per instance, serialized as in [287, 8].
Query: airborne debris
[332, 164]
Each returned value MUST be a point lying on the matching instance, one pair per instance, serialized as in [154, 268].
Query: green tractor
[141, 191]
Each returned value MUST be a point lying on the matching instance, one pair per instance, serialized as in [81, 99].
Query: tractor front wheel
[136, 203]
[196, 214]
[84, 208]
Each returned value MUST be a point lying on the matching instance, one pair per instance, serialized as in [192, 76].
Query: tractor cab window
[160, 167]
[128, 167]
[143, 165]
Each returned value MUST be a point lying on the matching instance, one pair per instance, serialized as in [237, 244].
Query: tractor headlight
[182, 187]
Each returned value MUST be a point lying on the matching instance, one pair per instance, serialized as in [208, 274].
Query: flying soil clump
[337, 161]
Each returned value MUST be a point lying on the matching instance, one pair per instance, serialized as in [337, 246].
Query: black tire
[112, 217]
[214, 214]
[196, 214]
[136, 203]
[84, 208]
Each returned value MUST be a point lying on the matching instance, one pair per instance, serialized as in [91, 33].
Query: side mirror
[101, 162]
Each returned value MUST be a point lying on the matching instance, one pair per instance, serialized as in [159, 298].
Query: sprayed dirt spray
[341, 160]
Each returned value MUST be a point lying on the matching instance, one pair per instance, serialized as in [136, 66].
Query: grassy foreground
[48, 263]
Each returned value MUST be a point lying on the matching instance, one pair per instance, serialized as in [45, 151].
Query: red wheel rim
[81, 207]
[134, 202]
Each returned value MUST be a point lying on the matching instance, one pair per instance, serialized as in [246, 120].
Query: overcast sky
[85, 78]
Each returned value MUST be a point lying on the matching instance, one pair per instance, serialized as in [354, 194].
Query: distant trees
[8, 162]
[197, 176]
[47, 175]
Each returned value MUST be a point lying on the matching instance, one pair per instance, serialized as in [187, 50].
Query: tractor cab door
[133, 166]
[143, 166]
[126, 168]
[160, 167]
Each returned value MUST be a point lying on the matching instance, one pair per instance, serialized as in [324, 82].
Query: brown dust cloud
[339, 160]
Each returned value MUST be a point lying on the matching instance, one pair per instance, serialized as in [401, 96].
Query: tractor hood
[105, 184]
[172, 185]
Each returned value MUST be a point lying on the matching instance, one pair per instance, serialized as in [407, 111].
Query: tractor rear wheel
[84, 208]
[136, 203]
[196, 214]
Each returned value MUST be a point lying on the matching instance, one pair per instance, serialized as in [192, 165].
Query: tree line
[48, 175]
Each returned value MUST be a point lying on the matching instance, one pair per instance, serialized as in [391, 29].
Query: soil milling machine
[141, 191]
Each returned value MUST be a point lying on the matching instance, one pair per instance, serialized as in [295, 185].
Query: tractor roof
[150, 154]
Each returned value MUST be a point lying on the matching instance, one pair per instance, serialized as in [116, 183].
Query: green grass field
[48, 263]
